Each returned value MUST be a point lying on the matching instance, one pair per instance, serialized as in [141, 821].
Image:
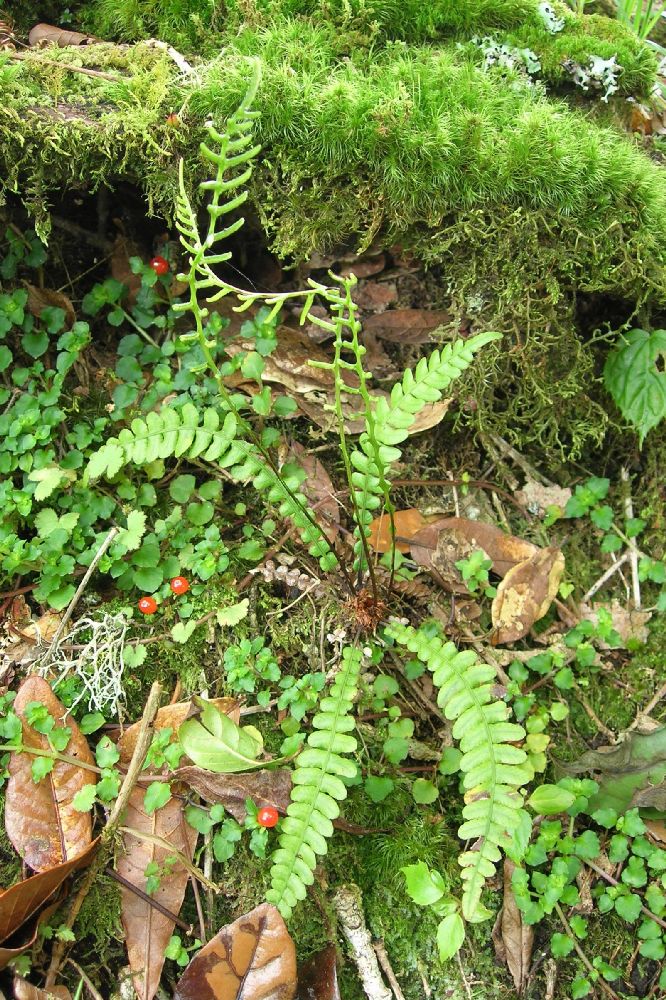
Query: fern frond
[388, 425]
[494, 769]
[172, 433]
[316, 789]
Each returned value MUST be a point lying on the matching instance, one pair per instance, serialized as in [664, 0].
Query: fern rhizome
[494, 767]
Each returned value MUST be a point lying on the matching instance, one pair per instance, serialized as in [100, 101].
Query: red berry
[179, 585]
[147, 605]
[268, 816]
[160, 265]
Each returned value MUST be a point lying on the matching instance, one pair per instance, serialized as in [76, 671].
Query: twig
[604, 578]
[653, 702]
[200, 915]
[505, 449]
[79, 590]
[153, 838]
[582, 956]
[613, 881]
[349, 908]
[601, 726]
[180, 61]
[97, 73]
[633, 551]
[121, 880]
[143, 741]
[468, 989]
[90, 986]
[380, 951]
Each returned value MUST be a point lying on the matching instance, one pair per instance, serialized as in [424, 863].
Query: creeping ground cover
[332, 547]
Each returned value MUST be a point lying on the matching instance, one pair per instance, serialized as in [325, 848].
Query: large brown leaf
[438, 546]
[172, 717]
[265, 788]
[20, 902]
[318, 977]
[525, 594]
[512, 938]
[252, 959]
[40, 819]
[407, 523]
[147, 931]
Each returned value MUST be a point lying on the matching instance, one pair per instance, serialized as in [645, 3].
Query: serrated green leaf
[635, 382]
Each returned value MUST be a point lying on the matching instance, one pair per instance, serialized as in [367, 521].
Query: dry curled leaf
[34, 635]
[49, 34]
[41, 298]
[40, 819]
[265, 788]
[407, 326]
[512, 938]
[22, 901]
[252, 959]
[23, 990]
[538, 498]
[447, 540]
[147, 931]
[318, 488]
[629, 623]
[318, 977]
[525, 594]
[172, 717]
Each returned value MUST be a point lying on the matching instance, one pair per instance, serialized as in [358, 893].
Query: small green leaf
[423, 885]
[130, 537]
[182, 631]
[234, 614]
[36, 343]
[628, 907]
[547, 800]
[378, 788]
[41, 766]
[84, 799]
[157, 795]
[450, 936]
[635, 382]
[561, 945]
[424, 792]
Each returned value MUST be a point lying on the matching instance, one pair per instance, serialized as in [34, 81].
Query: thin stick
[613, 881]
[633, 551]
[143, 741]
[86, 979]
[97, 73]
[383, 958]
[180, 61]
[81, 587]
[601, 726]
[605, 577]
[153, 838]
[200, 915]
[581, 954]
[653, 702]
[121, 880]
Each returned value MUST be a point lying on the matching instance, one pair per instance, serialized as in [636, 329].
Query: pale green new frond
[316, 789]
[494, 770]
[388, 425]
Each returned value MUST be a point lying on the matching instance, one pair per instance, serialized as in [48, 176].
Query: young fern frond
[494, 770]
[316, 789]
[388, 423]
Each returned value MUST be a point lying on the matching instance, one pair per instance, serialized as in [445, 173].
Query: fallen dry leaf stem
[153, 838]
[53, 754]
[121, 880]
[143, 741]
[613, 881]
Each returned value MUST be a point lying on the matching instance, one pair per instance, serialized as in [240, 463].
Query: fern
[494, 770]
[388, 423]
[316, 789]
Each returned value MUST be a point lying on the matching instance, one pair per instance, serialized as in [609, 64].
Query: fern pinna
[494, 769]
[316, 789]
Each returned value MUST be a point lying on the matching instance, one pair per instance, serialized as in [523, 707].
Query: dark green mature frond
[494, 768]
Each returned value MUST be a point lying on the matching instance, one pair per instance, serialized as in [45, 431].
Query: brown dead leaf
[628, 622]
[41, 298]
[429, 416]
[365, 267]
[252, 959]
[538, 498]
[265, 788]
[407, 326]
[147, 931]
[20, 902]
[33, 636]
[318, 488]
[375, 296]
[49, 34]
[23, 990]
[407, 524]
[656, 830]
[172, 717]
[318, 977]
[375, 359]
[512, 938]
[439, 545]
[525, 594]
[40, 820]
